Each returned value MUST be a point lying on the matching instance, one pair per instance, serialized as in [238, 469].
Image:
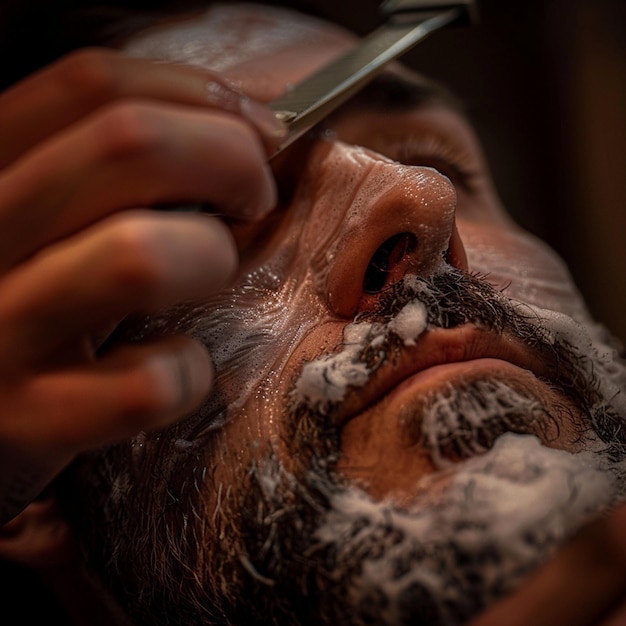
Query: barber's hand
[583, 585]
[86, 147]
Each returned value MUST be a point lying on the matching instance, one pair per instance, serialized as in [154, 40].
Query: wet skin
[388, 324]
[411, 177]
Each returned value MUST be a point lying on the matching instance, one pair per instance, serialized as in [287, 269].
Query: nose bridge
[401, 220]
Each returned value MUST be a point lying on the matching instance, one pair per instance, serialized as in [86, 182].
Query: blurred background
[544, 82]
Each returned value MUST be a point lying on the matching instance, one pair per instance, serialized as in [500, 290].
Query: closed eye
[432, 150]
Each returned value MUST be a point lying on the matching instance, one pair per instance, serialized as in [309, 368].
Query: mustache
[453, 297]
[448, 298]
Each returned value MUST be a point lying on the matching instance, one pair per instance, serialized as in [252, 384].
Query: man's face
[389, 326]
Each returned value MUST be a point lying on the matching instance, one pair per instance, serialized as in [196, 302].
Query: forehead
[262, 48]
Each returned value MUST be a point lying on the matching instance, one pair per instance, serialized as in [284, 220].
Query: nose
[401, 221]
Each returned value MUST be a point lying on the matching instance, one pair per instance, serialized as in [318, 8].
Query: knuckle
[135, 259]
[91, 74]
[128, 129]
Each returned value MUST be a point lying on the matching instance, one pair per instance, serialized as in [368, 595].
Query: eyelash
[434, 151]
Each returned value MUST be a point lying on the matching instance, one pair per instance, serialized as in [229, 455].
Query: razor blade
[407, 23]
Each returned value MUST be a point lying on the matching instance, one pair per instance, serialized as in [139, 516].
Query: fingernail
[266, 121]
[193, 373]
[263, 118]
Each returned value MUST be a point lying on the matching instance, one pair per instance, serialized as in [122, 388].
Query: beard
[318, 551]
[308, 547]
[322, 551]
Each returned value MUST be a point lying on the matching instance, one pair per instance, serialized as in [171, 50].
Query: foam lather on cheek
[325, 381]
[596, 355]
[451, 554]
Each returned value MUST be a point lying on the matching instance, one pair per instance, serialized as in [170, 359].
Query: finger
[56, 415]
[577, 587]
[131, 262]
[131, 155]
[83, 81]
[49, 419]
[39, 538]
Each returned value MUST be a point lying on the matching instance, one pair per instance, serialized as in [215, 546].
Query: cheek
[524, 267]
[262, 418]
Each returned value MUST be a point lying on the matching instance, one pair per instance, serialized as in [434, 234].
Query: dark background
[544, 82]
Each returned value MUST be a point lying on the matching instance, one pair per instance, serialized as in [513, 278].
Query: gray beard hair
[334, 555]
[313, 549]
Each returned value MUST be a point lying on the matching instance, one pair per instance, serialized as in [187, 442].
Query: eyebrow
[391, 92]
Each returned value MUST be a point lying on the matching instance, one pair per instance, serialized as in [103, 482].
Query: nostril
[387, 257]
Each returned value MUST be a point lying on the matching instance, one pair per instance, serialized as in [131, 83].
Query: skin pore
[412, 408]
